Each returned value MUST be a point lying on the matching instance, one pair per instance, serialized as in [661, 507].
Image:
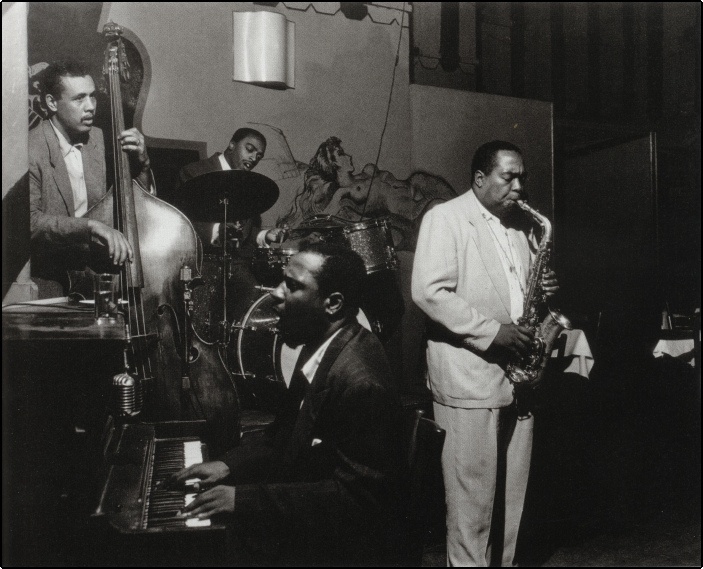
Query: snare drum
[264, 361]
[373, 241]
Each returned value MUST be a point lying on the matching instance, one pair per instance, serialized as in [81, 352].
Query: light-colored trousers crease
[470, 469]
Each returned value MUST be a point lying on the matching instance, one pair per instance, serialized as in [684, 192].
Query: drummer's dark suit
[330, 474]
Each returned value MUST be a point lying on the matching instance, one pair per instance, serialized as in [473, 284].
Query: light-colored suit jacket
[59, 239]
[459, 282]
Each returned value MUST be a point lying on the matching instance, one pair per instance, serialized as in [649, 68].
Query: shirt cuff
[261, 238]
[215, 235]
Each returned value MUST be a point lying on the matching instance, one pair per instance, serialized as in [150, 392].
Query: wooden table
[58, 321]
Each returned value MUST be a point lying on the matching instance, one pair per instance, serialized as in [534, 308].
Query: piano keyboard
[163, 506]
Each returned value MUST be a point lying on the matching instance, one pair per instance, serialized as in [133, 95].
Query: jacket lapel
[61, 179]
[92, 166]
[318, 390]
[487, 250]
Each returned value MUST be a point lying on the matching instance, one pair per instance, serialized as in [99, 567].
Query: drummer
[244, 151]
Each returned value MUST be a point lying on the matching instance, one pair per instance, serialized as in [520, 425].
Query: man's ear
[478, 178]
[334, 303]
[50, 102]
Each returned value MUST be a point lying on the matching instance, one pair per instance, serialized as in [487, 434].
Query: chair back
[424, 453]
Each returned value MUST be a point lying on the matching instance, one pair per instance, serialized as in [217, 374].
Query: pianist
[323, 484]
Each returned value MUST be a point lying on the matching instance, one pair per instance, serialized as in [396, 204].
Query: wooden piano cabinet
[57, 368]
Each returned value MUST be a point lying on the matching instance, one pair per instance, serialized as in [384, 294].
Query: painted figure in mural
[332, 188]
[470, 272]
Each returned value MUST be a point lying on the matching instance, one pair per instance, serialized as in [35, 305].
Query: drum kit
[255, 352]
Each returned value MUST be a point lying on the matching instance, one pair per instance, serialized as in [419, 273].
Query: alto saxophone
[530, 369]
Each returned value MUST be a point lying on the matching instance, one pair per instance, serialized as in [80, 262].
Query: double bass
[181, 377]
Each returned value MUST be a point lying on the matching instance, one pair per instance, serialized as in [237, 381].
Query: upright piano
[136, 520]
[81, 484]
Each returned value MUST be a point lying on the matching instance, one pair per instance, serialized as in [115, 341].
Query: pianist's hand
[210, 473]
[217, 500]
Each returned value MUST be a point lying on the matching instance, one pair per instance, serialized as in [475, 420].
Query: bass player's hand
[118, 247]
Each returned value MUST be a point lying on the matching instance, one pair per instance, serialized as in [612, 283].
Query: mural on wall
[330, 187]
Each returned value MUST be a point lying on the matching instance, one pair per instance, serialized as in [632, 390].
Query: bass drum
[257, 353]
[209, 298]
[264, 361]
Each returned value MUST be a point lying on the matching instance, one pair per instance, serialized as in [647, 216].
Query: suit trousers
[486, 464]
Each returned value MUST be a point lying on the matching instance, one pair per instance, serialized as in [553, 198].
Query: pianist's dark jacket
[337, 500]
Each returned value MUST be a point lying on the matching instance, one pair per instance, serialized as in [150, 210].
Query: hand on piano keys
[204, 474]
[217, 500]
[166, 502]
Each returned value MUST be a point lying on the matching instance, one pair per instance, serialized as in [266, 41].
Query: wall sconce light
[264, 49]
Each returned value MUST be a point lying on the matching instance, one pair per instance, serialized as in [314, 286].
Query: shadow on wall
[15, 228]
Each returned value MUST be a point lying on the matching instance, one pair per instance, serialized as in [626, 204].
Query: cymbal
[248, 194]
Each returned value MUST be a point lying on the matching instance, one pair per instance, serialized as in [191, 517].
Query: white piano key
[193, 454]
[194, 522]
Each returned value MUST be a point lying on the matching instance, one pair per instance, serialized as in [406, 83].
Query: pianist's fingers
[217, 500]
[210, 473]
[178, 478]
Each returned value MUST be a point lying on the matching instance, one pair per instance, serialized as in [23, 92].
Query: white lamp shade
[264, 49]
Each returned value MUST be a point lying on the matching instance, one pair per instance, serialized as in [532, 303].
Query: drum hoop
[376, 222]
[240, 338]
[286, 252]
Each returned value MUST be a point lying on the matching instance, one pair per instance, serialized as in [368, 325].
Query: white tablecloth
[578, 350]
[675, 348]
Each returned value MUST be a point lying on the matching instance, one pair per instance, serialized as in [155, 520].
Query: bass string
[135, 307]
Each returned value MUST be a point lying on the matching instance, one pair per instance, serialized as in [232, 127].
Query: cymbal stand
[224, 327]
[224, 323]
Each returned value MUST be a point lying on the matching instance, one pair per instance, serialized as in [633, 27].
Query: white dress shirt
[510, 260]
[73, 159]
[310, 367]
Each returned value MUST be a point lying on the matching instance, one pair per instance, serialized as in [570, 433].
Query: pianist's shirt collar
[313, 363]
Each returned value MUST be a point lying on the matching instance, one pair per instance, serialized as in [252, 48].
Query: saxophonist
[470, 273]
